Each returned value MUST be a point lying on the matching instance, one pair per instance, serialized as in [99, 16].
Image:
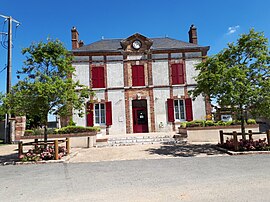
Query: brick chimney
[193, 34]
[81, 43]
[74, 38]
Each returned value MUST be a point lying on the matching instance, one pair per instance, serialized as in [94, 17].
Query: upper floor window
[138, 75]
[177, 73]
[98, 80]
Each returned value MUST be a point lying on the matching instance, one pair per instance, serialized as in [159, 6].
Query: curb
[241, 152]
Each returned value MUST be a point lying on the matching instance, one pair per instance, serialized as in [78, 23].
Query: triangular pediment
[136, 42]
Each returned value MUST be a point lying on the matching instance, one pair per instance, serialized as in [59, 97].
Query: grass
[1, 142]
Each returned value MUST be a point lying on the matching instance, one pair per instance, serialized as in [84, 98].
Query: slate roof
[113, 45]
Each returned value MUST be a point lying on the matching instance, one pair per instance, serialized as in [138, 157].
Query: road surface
[219, 178]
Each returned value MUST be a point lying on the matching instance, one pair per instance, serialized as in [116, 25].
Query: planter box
[211, 133]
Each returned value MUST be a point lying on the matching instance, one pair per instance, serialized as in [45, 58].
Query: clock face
[136, 44]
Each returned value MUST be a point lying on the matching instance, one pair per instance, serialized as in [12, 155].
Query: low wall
[211, 134]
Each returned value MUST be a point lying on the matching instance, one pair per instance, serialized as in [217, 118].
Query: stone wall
[20, 125]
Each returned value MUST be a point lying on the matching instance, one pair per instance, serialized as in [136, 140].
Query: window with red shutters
[177, 73]
[138, 75]
[98, 80]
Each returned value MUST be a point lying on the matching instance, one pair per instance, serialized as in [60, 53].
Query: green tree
[238, 76]
[47, 86]
[2, 110]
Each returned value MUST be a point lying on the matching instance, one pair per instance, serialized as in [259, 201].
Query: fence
[37, 143]
[235, 138]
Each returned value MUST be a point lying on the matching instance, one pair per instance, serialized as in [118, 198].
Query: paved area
[148, 151]
[218, 178]
[8, 153]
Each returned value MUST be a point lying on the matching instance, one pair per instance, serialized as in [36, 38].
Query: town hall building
[141, 84]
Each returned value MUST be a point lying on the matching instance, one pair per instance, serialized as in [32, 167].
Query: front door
[140, 123]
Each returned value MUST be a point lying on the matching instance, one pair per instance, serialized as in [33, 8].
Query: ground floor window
[99, 114]
[179, 110]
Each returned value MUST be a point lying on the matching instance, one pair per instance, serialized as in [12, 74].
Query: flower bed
[41, 153]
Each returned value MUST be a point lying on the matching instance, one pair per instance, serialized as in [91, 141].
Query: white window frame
[99, 123]
[184, 110]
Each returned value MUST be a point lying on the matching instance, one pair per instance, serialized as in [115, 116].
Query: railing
[37, 143]
[235, 138]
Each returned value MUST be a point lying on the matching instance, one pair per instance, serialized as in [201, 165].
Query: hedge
[76, 129]
[203, 123]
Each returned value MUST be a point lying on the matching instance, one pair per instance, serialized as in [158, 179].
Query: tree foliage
[47, 86]
[238, 76]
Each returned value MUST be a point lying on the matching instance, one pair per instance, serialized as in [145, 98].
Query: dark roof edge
[199, 48]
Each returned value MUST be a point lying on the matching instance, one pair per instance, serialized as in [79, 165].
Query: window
[138, 75]
[99, 114]
[179, 110]
[98, 80]
[177, 74]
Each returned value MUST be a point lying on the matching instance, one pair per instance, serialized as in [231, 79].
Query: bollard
[221, 137]
[20, 149]
[56, 149]
[250, 134]
[235, 141]
[68, 145]
[268, 137]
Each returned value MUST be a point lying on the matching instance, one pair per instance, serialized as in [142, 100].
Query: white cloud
[233, 29]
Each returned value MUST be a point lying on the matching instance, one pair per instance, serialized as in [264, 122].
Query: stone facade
[118, 58]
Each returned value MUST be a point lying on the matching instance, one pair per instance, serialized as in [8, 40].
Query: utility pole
[9, 67]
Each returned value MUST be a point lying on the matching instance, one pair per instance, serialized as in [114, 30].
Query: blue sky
[218, 22]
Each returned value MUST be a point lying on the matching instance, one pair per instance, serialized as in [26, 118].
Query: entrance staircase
[140, 139]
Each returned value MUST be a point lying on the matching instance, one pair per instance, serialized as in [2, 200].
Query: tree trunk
[45, 133]
[243, 124]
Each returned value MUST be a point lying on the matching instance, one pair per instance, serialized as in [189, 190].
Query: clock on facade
[136, 44]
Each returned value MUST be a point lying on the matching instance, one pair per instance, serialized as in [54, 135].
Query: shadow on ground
[9, 158]
[185, 150]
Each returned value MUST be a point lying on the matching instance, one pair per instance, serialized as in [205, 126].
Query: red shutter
[141, 76]
[138, 75]
[189, 113]
[170, 110]
[181, 73]
[94, 77]
[108, 113]
[98, 80]
[101, 77]
[178, 74]
[134, 76]
[174, 74]
[90, 114]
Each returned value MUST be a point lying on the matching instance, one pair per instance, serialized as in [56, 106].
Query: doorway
[140, 120]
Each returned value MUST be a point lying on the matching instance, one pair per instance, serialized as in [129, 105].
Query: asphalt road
[222, 178]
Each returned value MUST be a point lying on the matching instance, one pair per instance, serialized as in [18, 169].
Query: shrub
[209, 123]
[221, 123]
[183, 125]
[76, 129]
[51, 131]
[251, 121]
[28, 132]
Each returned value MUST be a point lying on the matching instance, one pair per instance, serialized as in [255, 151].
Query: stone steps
[124, 141]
